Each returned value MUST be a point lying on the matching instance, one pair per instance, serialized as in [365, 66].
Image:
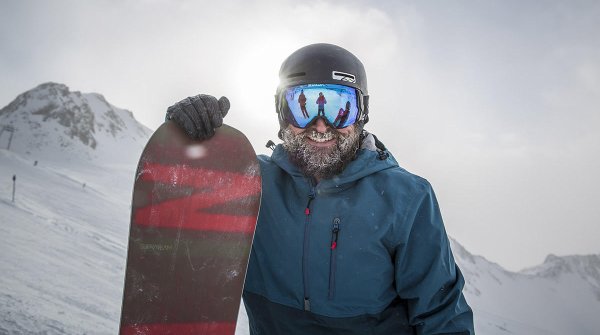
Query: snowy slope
[561, 296]
[63, 240]
[62, 249]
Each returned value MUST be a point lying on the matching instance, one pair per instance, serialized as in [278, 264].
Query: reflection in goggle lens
[338, 104]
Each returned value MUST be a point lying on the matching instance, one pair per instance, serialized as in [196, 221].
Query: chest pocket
[359, 259]
[335, 233]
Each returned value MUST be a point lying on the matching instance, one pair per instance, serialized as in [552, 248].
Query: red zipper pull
[307, 209]
[334, 233]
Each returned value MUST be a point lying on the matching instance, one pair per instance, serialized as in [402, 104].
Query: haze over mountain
[63, 240]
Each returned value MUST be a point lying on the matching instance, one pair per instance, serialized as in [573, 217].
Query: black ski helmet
[323, 63]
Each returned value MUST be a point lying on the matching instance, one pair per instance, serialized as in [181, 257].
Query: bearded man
[347, 241]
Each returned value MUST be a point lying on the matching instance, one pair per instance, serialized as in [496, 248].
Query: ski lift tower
[11, 130]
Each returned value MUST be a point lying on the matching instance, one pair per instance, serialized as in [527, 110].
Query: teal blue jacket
[364, 252]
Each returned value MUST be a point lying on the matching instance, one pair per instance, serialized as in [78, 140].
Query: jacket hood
[369, 160]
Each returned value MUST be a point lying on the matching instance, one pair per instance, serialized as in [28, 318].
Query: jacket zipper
[335, 231]
[306, 248]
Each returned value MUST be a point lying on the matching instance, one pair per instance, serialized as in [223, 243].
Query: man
[321, 101]
[347, 242]
[343, 114]
[302, 102]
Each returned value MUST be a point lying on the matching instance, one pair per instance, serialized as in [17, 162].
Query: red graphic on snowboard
[194, 211]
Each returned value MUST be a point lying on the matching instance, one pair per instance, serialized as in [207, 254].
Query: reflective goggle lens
[338, 104]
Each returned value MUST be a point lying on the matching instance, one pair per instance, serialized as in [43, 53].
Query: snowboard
[194, 210]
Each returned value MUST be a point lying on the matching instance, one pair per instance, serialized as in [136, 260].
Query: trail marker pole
[14, 187]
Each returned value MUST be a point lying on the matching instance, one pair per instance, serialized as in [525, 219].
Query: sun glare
[256, 76]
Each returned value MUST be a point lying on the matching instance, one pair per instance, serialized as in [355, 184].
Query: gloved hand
[199, 115]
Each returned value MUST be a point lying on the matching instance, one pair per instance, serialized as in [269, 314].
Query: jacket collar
[368, 161]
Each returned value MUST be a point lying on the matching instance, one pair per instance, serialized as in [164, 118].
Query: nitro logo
[337, 75]
[155, 246]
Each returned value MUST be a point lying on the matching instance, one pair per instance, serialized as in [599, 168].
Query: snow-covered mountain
[53, 123]
[63, 241]
[560, 296]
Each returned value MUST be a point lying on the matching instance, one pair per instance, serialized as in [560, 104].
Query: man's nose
[320, 126]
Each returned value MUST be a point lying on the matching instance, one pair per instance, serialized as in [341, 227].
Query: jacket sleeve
[427, 277]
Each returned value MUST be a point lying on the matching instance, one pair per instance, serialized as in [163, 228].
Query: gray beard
[321, 163]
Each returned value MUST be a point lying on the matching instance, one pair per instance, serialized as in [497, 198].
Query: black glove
[199, 115]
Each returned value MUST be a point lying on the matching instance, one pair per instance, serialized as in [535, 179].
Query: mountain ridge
[71, 124]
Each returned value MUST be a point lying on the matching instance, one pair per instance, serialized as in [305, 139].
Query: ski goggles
[338, 105]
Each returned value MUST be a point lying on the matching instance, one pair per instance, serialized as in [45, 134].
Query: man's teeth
[320, 137]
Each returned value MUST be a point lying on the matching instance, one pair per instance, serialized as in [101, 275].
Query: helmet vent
[343, 76]
[297, 74]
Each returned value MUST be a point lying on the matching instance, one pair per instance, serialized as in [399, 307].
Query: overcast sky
[494, 102]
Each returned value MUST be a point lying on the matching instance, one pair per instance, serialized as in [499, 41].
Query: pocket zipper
[335, 232]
